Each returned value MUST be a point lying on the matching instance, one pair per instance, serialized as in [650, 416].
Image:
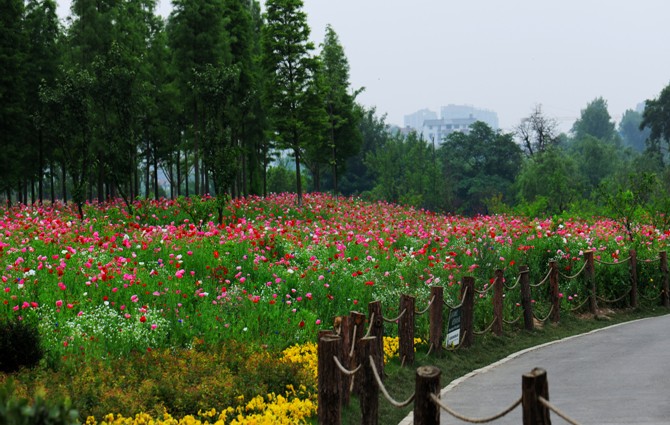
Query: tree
[631, 133]
[43, 35]
[549, 180]
[197, 37]
[537, 132]
[656, 117]
[480, 164]
[596, 160]
[595, 121]
[289, 69]
[358, 177]
[344, 137]
[12, 114]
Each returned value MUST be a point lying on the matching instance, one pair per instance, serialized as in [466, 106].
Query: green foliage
[595, 121]
[479, 165]
[19, 411]
[20, 345]
[632, 135]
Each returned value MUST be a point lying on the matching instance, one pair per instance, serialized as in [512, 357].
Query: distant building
[416, 119]
[467, 111]
[438, 130]
[453, 118]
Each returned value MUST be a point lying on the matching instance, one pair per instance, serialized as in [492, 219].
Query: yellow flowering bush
[295, 407]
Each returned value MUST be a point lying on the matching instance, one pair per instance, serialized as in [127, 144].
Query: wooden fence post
[426, 412]
[346, 324]
[435, 318]
[554, 292]
[498, 289]
[533, 386]
[526, 304]
[377, 330]
[406, 330]
[329, 381]
[591, 281]
[357, 333]
[664, 269]
[467, 310]
[633, 278]
[369, 390]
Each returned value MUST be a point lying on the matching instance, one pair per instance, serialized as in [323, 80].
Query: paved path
[615, 375]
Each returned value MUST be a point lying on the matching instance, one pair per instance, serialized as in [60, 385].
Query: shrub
[19, 344]
[18, 411]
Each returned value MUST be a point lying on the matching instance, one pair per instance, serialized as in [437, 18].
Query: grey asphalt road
[616, 375]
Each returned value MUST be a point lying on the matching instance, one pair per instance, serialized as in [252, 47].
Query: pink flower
[180, 273]
[59, 303]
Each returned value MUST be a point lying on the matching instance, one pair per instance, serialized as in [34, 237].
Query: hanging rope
[576, 274]
[613, 301]
[651, 260]
[511, 322]
[580, 305]
[353, 343]
[545, 319]
[485, 291]
[345, 370]
[372, 318]
[485, 330]
[397, 318]
[427, 307]
[543, 280]
[382, 388]
[607, 263]
[456, 415]
[509, 288]
[556, 410]
[459, 305]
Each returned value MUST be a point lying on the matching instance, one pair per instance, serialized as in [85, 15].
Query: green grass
[486, 349]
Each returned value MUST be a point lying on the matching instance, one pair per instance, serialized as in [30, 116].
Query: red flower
[143, 319]
[369, 283]
[301, 324]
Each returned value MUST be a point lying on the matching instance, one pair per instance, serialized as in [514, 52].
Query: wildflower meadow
[132, 311]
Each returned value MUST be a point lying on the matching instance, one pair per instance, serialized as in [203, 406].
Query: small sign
[454, 327]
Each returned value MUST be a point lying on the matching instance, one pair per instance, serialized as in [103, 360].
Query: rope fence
[357, 359]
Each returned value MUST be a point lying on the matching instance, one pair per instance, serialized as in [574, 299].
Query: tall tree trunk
[186, 170]
[178, 172]
[52, 179]
[40, 166]
[101, 181]
[147, 172]
[196, 148]
[155, 176]
[32, 190]
[298, 182]
[63, 182]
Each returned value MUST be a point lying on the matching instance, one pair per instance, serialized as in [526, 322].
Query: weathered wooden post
[633, 278]
[533, 386]
[369, 394]
[591, 281]
[406, 330]
[664, 269]
[358, 331]
[426, 412]
[467, 310]
[329, 381]
[346, 325]
[554, 292]
[377, 330]
[435, 318]
[526, 303]
[498, 293]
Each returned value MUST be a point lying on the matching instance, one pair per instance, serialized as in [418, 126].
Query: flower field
[168, 279]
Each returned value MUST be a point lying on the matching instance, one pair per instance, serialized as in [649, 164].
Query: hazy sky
[507, 56]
